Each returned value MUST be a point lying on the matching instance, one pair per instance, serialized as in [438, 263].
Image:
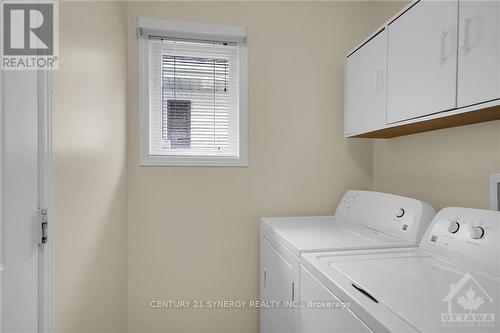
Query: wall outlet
[495, 191]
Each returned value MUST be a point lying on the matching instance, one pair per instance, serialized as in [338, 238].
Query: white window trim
[206, 31]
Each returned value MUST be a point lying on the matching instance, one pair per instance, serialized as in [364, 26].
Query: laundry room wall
[126, 235]
[89, 150]
[448, 167]
[193, 231]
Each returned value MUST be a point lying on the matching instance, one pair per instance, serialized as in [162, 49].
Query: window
[192, 94]
[177, 133]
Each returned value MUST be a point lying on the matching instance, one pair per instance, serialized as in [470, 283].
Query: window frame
[199, 31]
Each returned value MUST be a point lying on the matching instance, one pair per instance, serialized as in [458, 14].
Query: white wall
[89, 144]
[448, 167]
[193, 231]
[126, 235]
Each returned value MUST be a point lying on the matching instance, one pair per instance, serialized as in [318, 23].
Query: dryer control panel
[402, 217]
[467, 236]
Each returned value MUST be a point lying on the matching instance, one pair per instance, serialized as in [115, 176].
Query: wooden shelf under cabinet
[434, 122]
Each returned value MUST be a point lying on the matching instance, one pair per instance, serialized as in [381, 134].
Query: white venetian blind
[193, 98]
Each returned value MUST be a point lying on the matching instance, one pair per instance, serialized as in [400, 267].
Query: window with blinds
[193, 97]
[192, 93]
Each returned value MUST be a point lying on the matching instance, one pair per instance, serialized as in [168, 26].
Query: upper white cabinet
[434, 65]
[366, 86]
[478, 52]
[422, 60]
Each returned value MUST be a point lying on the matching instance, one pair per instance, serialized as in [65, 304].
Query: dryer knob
[453, 227]
[477, 233]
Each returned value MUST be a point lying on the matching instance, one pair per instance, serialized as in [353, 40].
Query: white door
[279, 283]
[365, 86]
[22, 167]
[479, 52]
[422, 60]
[317, 315]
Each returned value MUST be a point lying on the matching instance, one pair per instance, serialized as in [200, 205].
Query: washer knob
[477, 233]
[400, 213]
[453, 227]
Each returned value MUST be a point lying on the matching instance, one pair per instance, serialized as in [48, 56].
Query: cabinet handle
[265, 279]
[293, 291]
[466, 47]
[442, 46]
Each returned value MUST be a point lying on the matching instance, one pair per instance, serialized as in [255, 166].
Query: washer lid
[424, 291]
[326, 233]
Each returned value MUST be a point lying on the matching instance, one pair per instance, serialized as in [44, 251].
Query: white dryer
[363, 220]
[450, 283]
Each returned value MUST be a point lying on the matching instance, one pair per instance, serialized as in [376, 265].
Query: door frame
[45, 198]
[45, 191]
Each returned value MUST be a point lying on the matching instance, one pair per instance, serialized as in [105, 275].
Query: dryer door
[278, 287]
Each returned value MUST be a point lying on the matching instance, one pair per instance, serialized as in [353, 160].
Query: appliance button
[349, 201]
[453, 227]
[400, 213]
[477, 233]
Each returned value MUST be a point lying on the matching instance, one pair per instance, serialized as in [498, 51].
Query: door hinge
[42, 225]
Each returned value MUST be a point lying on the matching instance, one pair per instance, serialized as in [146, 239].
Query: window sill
[193, 161]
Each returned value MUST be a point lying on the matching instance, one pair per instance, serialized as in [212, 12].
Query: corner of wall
[90, 169]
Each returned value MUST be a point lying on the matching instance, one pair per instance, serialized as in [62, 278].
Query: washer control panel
[402, 217]
[468, 236]
[454, 227]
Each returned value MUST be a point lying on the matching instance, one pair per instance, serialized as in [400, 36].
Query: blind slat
[193, 98]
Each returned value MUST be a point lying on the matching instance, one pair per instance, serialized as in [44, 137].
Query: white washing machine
[450, 283]
[363, 220]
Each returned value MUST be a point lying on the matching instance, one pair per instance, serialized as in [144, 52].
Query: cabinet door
[365, 86]
[422, 60]
[316, 318]
[479, 52]
[279, 280]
